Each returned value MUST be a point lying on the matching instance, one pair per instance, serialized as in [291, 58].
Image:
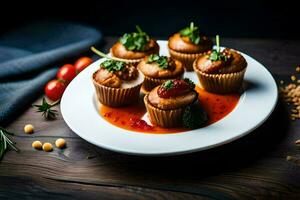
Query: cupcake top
[221, 62]
[173, 94]
[189, 40]
[156, 66]
[117, 74]
[135, 45]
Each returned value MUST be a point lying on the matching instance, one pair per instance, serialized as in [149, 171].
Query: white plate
[254, 107]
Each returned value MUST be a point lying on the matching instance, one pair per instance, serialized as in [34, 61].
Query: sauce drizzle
[217, 106]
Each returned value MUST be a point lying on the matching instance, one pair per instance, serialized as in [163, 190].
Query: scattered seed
[294, 111]
[293, 159]
[291, 95]
[91, 156]
[289, 158]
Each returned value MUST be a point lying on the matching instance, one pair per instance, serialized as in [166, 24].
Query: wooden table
[253, 167]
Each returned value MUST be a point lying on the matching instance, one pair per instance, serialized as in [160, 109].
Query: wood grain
[253, 167]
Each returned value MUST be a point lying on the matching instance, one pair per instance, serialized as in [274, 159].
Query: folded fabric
[29, 58]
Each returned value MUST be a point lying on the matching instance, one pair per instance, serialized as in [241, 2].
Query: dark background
[252, 18]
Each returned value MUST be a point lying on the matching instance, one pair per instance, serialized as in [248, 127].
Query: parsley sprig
[190, 82]
[168, 84]
[135, 41]
[5, 142]
[112, 64]
[216, 54]
[192, 32]
[162, 61]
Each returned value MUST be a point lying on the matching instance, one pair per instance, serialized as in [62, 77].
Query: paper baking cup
[150, 83]
[116, 97]
[221, 83]
[187, 59]
[164, 118]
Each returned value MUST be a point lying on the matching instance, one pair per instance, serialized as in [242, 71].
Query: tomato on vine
[55, 89]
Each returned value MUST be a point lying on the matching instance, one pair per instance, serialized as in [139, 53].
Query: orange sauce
[216, 106]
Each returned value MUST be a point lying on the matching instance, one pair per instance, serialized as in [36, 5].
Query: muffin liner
[187, 59]
[164, 118]
[116, 97]
[150, 83]
[221, 83]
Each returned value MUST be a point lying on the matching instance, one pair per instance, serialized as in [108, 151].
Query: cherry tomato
[82, 63]
[67, 72]
[55, 89]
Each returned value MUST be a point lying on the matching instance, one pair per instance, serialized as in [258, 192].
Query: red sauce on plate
[217, 106]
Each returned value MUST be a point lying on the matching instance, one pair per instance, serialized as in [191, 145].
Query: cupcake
[133, 47]
[166, 103]
[187, 45]
[117, 83]
[221, 71]
[158, 69]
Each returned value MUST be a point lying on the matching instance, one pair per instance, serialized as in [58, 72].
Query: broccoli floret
[194, 116]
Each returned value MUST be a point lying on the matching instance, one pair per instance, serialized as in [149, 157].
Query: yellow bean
[28, 128]
[60, 143]
[37, 144]
[47, 147]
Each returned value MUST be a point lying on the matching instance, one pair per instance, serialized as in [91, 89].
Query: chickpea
[37, 144]
[47, 147]
[60, 143]
[28, 128]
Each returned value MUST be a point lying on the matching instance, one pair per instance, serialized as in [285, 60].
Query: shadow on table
[229, 157]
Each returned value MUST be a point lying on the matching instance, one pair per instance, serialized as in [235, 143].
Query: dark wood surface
[253, 167]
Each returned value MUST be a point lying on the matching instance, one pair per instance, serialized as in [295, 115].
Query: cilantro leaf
[162, 61]
[190, 82]
[216, 54]
[168, 84]
[135, 41]
[192, 33]
[113, 65]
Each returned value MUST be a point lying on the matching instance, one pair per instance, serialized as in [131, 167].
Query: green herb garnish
[216, 54]
[113, 65]
[168, 84]
[194, 116]
[192, 33]
[162, 61]
[46, 109]
[191, 83]
[6, 142]
[135, 41]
